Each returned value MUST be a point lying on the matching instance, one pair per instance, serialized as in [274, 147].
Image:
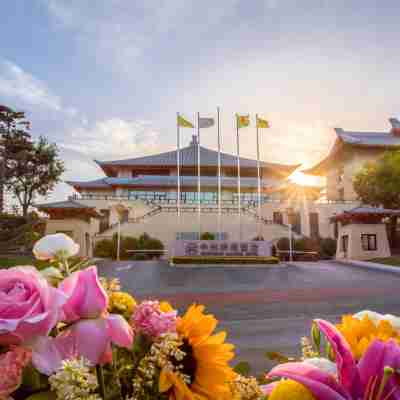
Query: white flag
[206, 122]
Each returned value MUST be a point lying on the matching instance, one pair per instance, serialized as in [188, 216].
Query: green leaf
[43, 396]
[243, 368]
[33, 380]
[276, 356]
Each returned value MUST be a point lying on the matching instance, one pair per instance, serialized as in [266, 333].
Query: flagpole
[259, 179]
[198, 174]
[178, 175]
[219, 179]
[238, 179]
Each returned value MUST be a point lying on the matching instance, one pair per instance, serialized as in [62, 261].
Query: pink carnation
[12, 364]
[149, 319]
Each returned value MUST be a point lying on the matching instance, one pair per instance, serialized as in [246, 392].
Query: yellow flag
[262, 123]
[184, 123]
[242, 120]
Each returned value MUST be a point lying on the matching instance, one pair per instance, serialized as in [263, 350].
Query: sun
[305, 180]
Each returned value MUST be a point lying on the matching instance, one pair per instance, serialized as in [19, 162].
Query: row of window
[192, 197]
[368, 242]
[196, 235]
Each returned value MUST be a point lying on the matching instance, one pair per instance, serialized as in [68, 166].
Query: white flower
[322, 364]
[376, 318]
[51, 246]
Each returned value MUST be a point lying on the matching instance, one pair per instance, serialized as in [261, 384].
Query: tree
[378, 184]
[33, 168]
[12, 123]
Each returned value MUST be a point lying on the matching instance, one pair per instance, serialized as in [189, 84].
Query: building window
[314, 225]
[336, 229]
[296, 223]
[345, 243]
[368, 242]
[277, 218]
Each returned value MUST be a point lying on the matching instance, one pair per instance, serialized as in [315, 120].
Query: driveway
[263, 308]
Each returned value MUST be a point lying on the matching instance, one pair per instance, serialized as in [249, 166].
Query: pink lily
[366, 380]
[92, 331]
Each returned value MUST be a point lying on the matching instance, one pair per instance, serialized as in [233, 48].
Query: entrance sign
[227, 248]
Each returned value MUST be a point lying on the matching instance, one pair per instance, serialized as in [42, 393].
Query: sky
[104, 79]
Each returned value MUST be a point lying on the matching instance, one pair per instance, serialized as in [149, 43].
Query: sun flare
[305, 180]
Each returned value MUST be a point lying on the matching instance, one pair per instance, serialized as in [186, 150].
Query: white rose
[376, 318]
[372, 315]
[51, 246]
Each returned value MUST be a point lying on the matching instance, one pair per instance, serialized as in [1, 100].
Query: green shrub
[224, 260]
[283, 244]
[207, 236]
[107, 248]
[103, 248]
[128, 243]
[328, 247]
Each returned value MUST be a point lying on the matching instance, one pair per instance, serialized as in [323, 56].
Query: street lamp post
[120, 208]
[119, 239]
[290, 214]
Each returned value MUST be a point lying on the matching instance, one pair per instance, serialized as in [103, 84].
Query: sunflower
[205, 364]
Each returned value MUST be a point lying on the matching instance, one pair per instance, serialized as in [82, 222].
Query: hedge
[223, 260]
[107, 248]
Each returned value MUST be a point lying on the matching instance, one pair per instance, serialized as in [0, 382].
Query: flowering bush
[67, 334]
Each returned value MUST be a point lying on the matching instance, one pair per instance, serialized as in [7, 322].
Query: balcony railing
[172, 202]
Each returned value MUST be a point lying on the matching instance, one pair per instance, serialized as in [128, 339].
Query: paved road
[264, 308]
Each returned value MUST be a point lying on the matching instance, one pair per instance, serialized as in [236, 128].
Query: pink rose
[93, 330]
[86, 296]
[29, 306]
[12, 364]
[149, 319]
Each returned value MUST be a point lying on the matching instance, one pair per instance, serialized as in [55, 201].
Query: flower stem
[100, 380]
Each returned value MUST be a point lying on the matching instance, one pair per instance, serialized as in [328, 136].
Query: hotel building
[142, 194]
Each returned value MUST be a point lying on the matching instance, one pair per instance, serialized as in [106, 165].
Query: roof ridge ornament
[395, 126]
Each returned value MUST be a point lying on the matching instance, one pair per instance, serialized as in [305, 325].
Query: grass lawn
[11, 261]
[394, 260]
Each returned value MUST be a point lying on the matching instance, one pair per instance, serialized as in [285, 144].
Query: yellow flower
[166, 307]
[290, 390]
[206, 361]
[360, 333]
[121, 303]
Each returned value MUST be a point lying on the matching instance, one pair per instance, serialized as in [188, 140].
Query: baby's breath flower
[110, 285]
[246, 388]
[307, 348]
[74, 381]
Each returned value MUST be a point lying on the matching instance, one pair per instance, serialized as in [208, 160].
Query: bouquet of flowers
[360, 360]
[65, 333]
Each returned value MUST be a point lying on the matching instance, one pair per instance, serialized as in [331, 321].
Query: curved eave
[321, 168]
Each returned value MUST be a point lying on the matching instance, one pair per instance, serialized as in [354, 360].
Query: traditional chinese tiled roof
[188, 157]
[360, 213]
[384, 140]
[68, 206]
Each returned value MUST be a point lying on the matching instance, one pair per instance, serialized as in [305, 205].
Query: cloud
[114, 138]
[18, 84]
[122, 32]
